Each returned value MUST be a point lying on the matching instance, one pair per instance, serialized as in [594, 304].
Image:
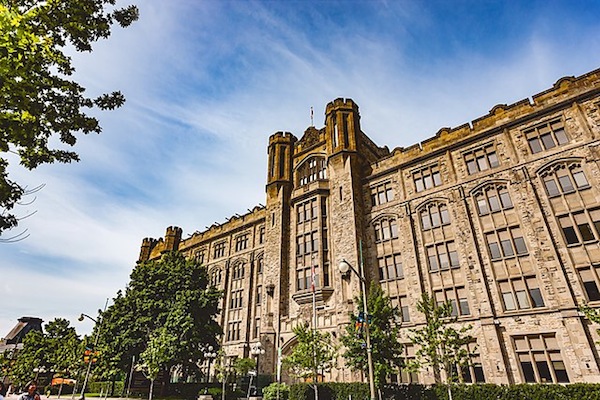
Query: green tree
[39, 103]
[383, 330]
[174, 293]
[440, 344]
[56, 349]
[158, 354]
[313, 354]
[64, 349]
[242, 366]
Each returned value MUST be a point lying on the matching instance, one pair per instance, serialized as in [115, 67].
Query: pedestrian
[30, 392]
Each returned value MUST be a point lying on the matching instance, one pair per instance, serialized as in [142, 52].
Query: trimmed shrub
[270, 392]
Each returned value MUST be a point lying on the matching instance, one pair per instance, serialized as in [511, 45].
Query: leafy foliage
[313, 354]
[386, 349]
[158, 354]
[39, 104]
[58, 349]
[242, 366]
[276, 391]
[168, 303]
[441, 346]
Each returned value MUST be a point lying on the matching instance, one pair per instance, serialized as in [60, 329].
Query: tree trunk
[151, 387]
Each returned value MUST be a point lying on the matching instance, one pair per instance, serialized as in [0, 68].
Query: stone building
[501, 216]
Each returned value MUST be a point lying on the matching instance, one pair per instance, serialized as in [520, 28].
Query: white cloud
[206, 84]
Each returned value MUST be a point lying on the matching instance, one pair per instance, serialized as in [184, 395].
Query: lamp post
[90, 361]
[344, 267]
[256, 349]
[38, 371]
[210, 355]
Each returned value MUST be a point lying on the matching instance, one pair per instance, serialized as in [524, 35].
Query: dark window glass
[570, 235]
[528, 373]
[592, 290]
[536, 297]
[561, 371]
[543, 369]
[478, 370]
[586, 231]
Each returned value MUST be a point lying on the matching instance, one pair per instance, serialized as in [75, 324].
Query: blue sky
[207, 82]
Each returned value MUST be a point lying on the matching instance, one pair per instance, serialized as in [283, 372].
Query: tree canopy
[168, 302]
[386, 349]
[313, 354]
[441, 345]
[57, 349]
[39, 104]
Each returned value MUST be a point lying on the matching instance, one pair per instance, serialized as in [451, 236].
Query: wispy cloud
[207, 83]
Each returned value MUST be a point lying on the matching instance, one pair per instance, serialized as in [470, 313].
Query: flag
[313, 276]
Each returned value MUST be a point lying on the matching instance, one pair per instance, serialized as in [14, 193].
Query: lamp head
[80, 318]
[344, 267]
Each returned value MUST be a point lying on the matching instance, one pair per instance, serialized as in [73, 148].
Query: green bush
[101, 387]
[270, 392]
[360, 391]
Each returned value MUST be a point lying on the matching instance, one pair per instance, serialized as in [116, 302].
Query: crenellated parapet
[567, 89]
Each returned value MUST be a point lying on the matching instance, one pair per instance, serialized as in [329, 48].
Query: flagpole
[314, 309]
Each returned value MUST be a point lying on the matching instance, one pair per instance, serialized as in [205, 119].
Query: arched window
[564, 177]
[492, 198]
[433, 215]
[313, 169]
[385, 229]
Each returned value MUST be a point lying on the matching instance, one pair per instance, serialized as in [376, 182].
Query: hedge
[360, 391]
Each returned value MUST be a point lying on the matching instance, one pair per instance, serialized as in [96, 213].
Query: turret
[147, 245]
[281, 147]
[172, 238]
[342, 125]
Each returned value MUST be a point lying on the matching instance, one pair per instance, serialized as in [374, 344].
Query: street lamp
[256, 349]
[90, 361]
[38, 371]
[210, 355]
[344, 267]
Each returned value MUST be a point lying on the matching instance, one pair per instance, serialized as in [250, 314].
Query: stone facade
[501, 216]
